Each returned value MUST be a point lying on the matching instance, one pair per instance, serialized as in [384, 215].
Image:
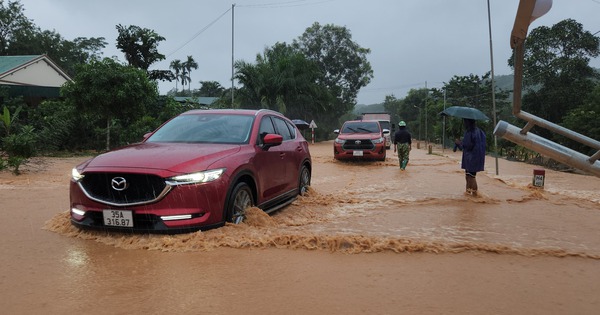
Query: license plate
[122, 218]
[358, 153]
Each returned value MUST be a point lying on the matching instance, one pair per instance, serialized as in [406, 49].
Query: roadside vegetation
[111, 103]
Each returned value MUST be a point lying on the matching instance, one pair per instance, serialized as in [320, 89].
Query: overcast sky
[412, 41]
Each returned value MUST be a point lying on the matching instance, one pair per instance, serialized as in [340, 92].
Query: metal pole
[232, 49]
[444, 124]
[493, 86]
[426, 99]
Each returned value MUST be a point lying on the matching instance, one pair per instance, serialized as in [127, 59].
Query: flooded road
[368, 238]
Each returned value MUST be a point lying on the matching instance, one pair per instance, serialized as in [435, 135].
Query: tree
[584, 120]
[177, 67]
[556, 69]
[110, 90]
[188, 65]
[343, 63]
[283, 79]
[392, 105]
[140, 46]
[211, 89]
[12, 22]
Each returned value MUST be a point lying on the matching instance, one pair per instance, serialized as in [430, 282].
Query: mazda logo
[357, 142]
[119, 183]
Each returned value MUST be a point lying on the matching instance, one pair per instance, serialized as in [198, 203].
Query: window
[282, 128]
[292, 129]
[266, 127]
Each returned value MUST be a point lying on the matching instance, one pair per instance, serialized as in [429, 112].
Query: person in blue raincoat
[473, 157]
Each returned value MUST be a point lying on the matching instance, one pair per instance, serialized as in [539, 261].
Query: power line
[199, 32]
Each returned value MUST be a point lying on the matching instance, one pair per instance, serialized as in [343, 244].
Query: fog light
[176, 217]
[77, 214]
[76, 211]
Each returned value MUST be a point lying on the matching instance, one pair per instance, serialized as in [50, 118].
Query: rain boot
[403, 164]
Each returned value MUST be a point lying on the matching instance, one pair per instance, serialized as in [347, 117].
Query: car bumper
[185, 208]
[377, 153]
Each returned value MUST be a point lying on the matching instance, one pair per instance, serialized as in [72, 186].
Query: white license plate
[122, 218]
[357, 153]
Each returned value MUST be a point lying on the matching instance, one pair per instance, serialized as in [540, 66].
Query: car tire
[303, 180]
[239, 200]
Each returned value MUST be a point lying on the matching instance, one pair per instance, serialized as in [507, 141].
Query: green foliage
[556, 70]
[7, 120]
[58, 122]
[284, 80]
[110, 90]
[210, 89]
[14, 23]
[177, 66]
[318, 76]
[585, 120]
[343, 63]
[140, 45]
[20, 147]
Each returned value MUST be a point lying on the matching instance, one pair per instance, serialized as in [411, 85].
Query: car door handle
[282, 154]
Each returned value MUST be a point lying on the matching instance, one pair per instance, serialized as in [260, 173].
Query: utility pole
[493, 86]
[444, 124]
[426, 100]
[232, 49]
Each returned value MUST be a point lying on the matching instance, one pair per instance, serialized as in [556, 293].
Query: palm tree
[188, 66]
[177, 66]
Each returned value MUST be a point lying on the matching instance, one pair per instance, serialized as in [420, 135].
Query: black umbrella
[464, 112]
[300, 124]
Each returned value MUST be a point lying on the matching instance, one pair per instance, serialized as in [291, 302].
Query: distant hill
[502, 82]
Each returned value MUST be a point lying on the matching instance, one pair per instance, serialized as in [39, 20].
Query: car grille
[136, 188]
[356, 144]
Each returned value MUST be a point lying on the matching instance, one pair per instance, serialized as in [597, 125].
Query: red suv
[198, 170]
[359, 139]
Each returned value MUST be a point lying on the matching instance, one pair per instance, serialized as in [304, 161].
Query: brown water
[367, 238]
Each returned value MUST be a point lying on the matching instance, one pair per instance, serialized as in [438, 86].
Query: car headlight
[340, 141]
[195, 178]
[380, 140]
[76, 175]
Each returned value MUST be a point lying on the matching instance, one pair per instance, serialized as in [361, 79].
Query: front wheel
[240, 200]
[304, 180]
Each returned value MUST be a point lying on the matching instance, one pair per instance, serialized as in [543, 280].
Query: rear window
[361, 127]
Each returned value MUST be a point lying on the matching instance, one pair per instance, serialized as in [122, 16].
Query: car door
[289, 156]
[268, 164]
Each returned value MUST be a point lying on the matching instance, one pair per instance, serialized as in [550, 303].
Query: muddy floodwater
[367, 239]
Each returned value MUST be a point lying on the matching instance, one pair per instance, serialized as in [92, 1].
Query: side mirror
[271, 140]
[337, 131]
[386, 131]
[146, 136]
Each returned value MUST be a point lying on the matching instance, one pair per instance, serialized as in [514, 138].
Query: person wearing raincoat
[473, 157]
[402, 144]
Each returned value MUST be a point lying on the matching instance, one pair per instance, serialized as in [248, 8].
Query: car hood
[173, 157]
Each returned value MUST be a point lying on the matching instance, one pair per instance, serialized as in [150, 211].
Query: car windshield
[205, 128]
[361, 127]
